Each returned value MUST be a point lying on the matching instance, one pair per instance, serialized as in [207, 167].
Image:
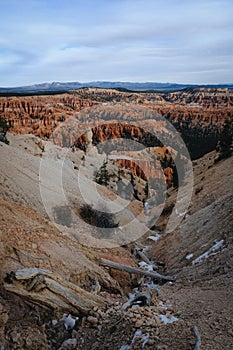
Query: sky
[179, 41]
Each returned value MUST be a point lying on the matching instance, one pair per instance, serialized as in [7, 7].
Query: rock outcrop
[201, 108]
[40, 115]
[114, 131]
[197, 113]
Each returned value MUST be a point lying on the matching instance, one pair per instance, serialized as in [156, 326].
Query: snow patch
[69, 344]
[69, 321]
[151, 285]
[145, 266]
[137, 334]
[154, 238]
[169, 283]
[166, 320]
[180, 214]
[164, 306]
[125, 347]
[189, 256]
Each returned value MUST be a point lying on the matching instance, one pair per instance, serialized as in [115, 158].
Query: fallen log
[131, 269]
[47, 289]
[198, 338]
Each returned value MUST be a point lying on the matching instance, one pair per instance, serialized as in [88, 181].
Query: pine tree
[224, 146]
[4, 127]
[102, 176]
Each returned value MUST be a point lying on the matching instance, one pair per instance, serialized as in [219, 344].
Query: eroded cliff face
[40, 115]
[198, 114]
[117, 131]
[142, 174]
[131, 159]
[203, 109]
[206, 97]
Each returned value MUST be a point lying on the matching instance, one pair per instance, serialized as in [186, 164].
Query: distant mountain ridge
[135, 86]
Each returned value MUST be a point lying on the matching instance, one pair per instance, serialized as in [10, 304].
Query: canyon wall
[197, 113]
[40, 115]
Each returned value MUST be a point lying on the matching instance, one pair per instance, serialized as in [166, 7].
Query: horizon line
[111, 81]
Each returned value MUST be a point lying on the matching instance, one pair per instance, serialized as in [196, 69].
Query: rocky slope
[200, 296]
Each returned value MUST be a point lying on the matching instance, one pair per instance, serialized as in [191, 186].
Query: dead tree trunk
[131, 269]
[45, 288]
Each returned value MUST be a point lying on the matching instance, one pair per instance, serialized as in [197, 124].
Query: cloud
[162, 40]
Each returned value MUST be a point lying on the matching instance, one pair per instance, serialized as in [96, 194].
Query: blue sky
[116, 40]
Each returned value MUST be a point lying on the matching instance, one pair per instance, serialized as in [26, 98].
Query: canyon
[195, 112]
[109, 148]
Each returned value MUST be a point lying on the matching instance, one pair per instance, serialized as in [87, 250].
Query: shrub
[198, 190]
[4, 127]
[99, 218]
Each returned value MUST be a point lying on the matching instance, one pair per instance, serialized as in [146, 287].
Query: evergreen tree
[102, 176]
[224, 146]
[4, 127]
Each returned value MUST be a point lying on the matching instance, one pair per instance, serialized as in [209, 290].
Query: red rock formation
[169, 176]
[115, 131]
[193, 112]
[142, 168]
[40, 115]
[204, 109]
